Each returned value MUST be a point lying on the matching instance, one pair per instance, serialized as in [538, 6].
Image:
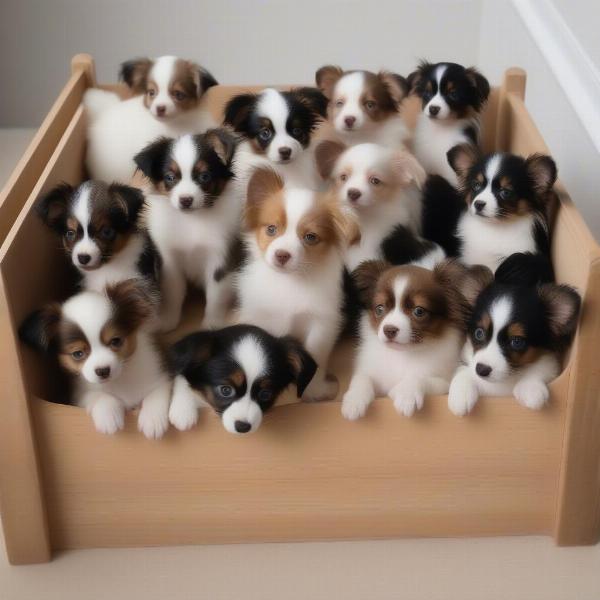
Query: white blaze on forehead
[185, 154]
[365, 155]
[350, 86]
[439, 73]
[81, 208]
[91, 311]
[500, 313]
[400, 285]
[250, 355]
[492, 168]
[162, 71]
[273, 106]
[297, 203]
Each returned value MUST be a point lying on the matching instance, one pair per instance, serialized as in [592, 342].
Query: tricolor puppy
[167, 101]
[516, 337]
[99, 225]
[292, 282]
[278, 127]
[103, 340]
[364, 106]
[452, 98]
[193, 218]
[499, 210]
[240, 371]
[411, 333]
[379, 187]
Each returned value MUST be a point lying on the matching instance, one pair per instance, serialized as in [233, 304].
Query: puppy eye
[70, 235]
[265, 134]
[169, 177]
[151, 93]
[343, 177]
[271, 230]
[204, 177]
[479, 334]
[78, 355]
[339, 103]
[419, 312]
[116, 342]
[179, 96]
[108, 233]
[452, 95]
[379, 310]
[311, 239]
[297, 132]
[265, 395]
[518, 343]
[374, 181]
[225, 391]
[370, 104]
[506, 194]
[476, 185]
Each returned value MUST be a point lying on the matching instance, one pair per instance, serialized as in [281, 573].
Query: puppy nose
[350, 122]
[102, 372]
[161, 109]
[84, 259]
[482, 370]
[434, 110]
[390, 332]
[285, 152]
[242, 426]
[479, 205]
[354, 194]
[282, 256]
[185, 201]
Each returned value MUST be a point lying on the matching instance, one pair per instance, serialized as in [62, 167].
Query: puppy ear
[301, 362]
[130, 199]
[54, 206]
[223, 142]
[40, 328]
[469, 281]
[133, 303]
[189, 353]
[462, 158]
[542, 172]
[205, 80]
[314, 99]
[562, 304]
[151, 159]
[135, 74]
[237, 111]
[365, 278]
[346, 227]
[263, 184]
[415, 78]
[408, 169]
[396, 85]
[326, 78]
[479, 82]
[326, 155]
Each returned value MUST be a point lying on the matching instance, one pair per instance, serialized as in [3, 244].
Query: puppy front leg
[173, 289]
[183, 412]
[358, 397]
[107, 411]
[531, 392]
[463, 393]
[153, 420]
[408, 395]
[319, 344]
[219, 292]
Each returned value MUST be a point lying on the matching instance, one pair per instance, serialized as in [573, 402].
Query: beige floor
[528, 568]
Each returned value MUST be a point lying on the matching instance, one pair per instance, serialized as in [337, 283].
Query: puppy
[167, 101]
[411, 333]
[452, 99]
[99, 225]
[364, 106]
[102, 339]
[499, 210]
[515, 340]
[239, 371]
[193, 218]
[380, 187]
[278, 127]
[292, 282]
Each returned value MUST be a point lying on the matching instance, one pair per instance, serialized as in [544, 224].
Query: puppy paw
[108, 415]
[183, 415]
[321, 390]
[407, 399]
[463, 396]
[354, 406]
[153, 421]
[531, 394]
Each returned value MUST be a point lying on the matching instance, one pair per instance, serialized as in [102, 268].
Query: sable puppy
[364, 106]
[452, 98]
[411, 332]
[239, 371]
[99, 225]
[193, 218]
[102, 339]
[500, 208]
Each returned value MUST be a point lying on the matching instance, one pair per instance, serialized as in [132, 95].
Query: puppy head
[241, 371]
[360, 100]
[448, 90]
[512, 326]
[294, 229]
[94, 220]
[93, 334]
[278, 124]
[502, 186]
[170, 85]
[367, 174]
[192, 170]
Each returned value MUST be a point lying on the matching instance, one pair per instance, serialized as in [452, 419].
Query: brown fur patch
[128, 342]
[462, 158]
[326, 78]
[271, 212]
[132, 305]
[326, 155]
[71, 339]
[237, 378]
[263, 184]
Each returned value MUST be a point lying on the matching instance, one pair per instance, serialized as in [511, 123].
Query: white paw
[463, 396]
[183, 415]
[153, 421]
[354, 406]
[321, 390]
[407, 399]
[108, 415]
[532, 394]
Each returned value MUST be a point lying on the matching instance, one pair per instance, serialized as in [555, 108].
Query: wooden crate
[307, 473]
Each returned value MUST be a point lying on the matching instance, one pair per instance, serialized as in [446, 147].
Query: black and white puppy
[99, 225]
[452, 97]
[240, 371]
[278, 127]
[499, 209]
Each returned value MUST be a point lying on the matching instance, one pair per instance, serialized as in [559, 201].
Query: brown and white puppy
[411, 333]
[103, 340]
[292, 282]
[364, 106]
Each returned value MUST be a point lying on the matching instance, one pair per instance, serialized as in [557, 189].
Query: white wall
[583, 18]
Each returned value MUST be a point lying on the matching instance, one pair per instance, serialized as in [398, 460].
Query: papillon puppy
[379, 187]
[499, 210]
[516, 337]
[99, 226]
[167, 101]
[292, 281]
[452, 99]
[364, 106]
[193, 218]
[278, 128]
[240, 371]
[411, 333]
[102, 339]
